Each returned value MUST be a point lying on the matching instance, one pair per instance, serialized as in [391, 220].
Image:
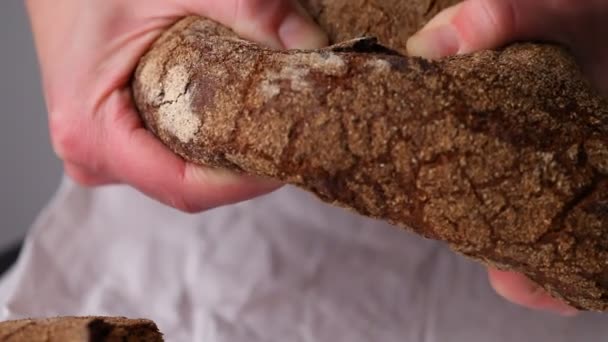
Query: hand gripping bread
[501, 154]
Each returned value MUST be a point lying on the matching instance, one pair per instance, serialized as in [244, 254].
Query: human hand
[88, 51]
[474, 25]
[484, 24]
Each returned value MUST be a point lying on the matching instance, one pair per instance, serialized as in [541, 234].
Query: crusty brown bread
[80, 329]
[501, 154]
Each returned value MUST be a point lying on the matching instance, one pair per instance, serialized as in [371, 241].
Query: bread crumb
[597, 151]
[176, 115]
[379, 65]
[326, 63]
[151, 81]
[296, 76]
[331, 63]
[270, 86]
[269, 90]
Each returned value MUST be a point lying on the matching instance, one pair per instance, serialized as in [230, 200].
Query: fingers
[438, 38]
[113, 147]
[466, 27]
[276, 23]
[520, 290]
[474, 25]
[158, 173]
[138, 158]
[485, 24]
[101, 139]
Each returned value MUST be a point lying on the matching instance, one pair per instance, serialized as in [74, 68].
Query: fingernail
[438, 38]
[299, 32]
[561, 308]
[435, 42]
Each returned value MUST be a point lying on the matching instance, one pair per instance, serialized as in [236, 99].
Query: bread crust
[80, 329]
[502, 154]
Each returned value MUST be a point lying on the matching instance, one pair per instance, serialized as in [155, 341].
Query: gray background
[30, 171]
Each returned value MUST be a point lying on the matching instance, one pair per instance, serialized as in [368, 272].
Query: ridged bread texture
[502, 154]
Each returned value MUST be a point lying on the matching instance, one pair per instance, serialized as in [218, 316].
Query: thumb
[469, 26]
[475, 25]
[275, 23]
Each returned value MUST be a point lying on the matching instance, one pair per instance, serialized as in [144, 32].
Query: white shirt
[284, 267]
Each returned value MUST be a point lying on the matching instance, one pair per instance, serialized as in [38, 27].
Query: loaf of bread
[502, 154]
[80, 329]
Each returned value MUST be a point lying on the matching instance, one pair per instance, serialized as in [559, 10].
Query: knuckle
[65, 137]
